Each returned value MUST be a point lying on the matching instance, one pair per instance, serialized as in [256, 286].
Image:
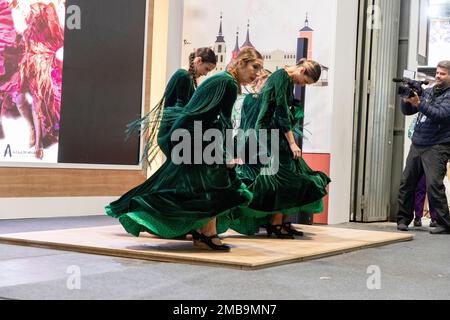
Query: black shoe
[205, 242]
[277, 230]
[440, 230]
[402, 227]
[287, 226]
[417, 223]
[433, 224]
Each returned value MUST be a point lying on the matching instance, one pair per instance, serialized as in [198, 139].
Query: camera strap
[421, 117]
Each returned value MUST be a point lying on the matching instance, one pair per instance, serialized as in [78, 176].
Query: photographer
[429, 152]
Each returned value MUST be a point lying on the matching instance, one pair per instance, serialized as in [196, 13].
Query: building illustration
[273, 59]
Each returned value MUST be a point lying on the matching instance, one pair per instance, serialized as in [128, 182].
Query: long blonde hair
[246, 56]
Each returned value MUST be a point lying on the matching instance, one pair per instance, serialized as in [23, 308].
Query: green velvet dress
[181, 197]
[295, 187]
[249, 115]
[179, 91]
[154, 125]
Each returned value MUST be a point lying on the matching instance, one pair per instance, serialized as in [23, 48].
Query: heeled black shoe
[287, 226]
[277, 229]
[205, 242]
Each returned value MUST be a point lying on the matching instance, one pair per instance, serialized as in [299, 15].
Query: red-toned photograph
[31, 61]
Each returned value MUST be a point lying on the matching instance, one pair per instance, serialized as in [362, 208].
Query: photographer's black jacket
[433, 122]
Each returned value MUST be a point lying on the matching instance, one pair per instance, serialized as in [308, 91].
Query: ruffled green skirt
[294, 188]
[247, 173]
[180, 198]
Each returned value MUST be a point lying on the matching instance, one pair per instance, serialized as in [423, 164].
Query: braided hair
[207, 55]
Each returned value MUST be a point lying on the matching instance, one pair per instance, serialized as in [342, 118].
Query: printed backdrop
[273, 29]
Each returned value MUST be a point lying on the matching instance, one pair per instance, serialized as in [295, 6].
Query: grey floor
[418, 269]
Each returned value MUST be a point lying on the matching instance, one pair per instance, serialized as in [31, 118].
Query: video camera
[408, 87]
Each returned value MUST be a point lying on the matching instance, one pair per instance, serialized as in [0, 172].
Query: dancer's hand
[234, 162]
[296, 151]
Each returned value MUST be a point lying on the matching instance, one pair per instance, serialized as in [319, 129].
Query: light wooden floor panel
[247, 252]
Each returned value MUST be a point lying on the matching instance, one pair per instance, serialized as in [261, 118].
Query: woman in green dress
[178, 92]
[154, 126]
[251, 166]
[182, 197]
[288, 185]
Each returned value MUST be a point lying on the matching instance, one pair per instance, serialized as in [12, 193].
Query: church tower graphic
[247, 42]
[236, 49]
[307, 33]
[220, 48]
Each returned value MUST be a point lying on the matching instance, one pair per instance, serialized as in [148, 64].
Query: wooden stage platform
[247, 252]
